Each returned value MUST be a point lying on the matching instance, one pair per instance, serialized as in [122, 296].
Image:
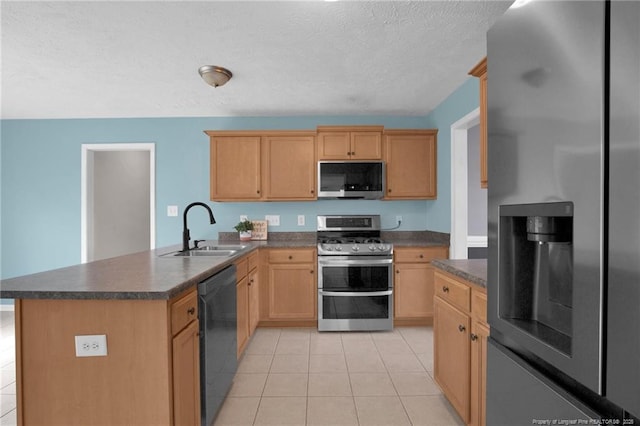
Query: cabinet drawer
[292, 256]
[183, 311]
[418, 254]
[454, 292]
[242, 268]
[479, 305]
[253, 260]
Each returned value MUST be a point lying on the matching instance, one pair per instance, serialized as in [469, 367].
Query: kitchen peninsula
[460, 333]
[145, 305]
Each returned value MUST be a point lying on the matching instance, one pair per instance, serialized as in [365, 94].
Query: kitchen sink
[223, 250]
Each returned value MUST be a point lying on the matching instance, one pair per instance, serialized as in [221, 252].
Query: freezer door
[623, 325]
[519, 395]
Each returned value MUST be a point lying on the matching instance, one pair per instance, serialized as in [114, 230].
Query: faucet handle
[196, 242]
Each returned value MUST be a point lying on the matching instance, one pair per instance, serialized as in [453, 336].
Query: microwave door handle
[355, 293]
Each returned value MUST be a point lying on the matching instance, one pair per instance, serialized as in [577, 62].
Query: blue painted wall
[40, 179]
[460, 103]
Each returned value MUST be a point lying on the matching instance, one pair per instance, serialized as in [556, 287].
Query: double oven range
[355, 274]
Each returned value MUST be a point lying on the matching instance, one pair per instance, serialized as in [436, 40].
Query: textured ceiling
[141, 59]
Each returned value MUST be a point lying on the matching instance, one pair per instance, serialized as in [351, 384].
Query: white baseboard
[7, 307]
[477, 241]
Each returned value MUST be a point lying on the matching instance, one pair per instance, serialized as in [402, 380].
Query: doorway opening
[460, 240]
[117, 199]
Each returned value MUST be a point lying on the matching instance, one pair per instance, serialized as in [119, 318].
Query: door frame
[87, 149]
[459, 184]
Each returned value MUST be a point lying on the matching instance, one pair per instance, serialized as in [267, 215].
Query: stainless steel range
[355, 274]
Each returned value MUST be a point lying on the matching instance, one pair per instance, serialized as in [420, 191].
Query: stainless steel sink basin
[223, 250]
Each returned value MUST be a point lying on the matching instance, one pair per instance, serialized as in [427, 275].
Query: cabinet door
[235, 168]
[479, 335]
[292, 291]
[452, 355]
[366, 146]
[254, 300]
[334, 145]
[290, 168]
[242, 289]
[480, 71]
[413, 290]
[411, 165]
[186, 376]
[484, 180]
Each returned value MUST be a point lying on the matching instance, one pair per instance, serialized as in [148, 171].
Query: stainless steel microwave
[351, 179]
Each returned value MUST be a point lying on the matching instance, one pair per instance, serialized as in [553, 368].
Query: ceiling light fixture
[214, 76]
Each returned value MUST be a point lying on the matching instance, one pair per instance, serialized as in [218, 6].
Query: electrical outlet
[243, 217]
[172, 211]
[274, 220]
[398, 219]
[91, 345]
[300, 220]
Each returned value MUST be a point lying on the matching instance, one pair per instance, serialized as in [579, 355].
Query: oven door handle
[355, 293]
[340, 261]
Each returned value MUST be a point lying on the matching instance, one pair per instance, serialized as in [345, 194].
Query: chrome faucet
[185, 231]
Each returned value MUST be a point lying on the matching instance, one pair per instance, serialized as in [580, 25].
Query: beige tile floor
[304, 377]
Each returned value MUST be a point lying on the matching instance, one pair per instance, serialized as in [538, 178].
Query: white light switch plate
[273, 220]
[172, 211]
[300, 220]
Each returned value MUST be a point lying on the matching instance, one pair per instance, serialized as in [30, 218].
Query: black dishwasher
[218, 340]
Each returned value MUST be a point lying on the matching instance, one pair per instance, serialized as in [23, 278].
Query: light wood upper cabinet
[235, 166]
[261, 166]
[411, 164]
[480, 71]
[289, 171]
[350, 143]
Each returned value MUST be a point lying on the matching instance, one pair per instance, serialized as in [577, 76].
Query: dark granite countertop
[147, 275]
[472, 270]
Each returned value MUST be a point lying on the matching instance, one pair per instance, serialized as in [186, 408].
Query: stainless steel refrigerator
[564, 213]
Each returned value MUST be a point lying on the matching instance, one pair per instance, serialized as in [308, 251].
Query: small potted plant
[244, 228]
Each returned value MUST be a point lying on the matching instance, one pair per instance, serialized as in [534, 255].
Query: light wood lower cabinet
[460, 332]
[248, 302]
[149, 376]
[186, 376]
[413, 284]
[291, 291]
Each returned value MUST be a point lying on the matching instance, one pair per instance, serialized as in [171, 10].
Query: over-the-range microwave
[351, 179]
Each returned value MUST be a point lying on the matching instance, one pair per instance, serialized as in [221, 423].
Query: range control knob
[355, 248]
[338, 248]
[372, 248]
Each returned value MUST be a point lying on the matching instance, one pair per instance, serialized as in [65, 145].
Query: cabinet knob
[397, 271]
[445, 289]
[422, 256]
[474, 337]
[389, 190]
[290, 257]
[258, 191]
[311, 271]
[191, 310]
[461, 328]
[312, 191]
